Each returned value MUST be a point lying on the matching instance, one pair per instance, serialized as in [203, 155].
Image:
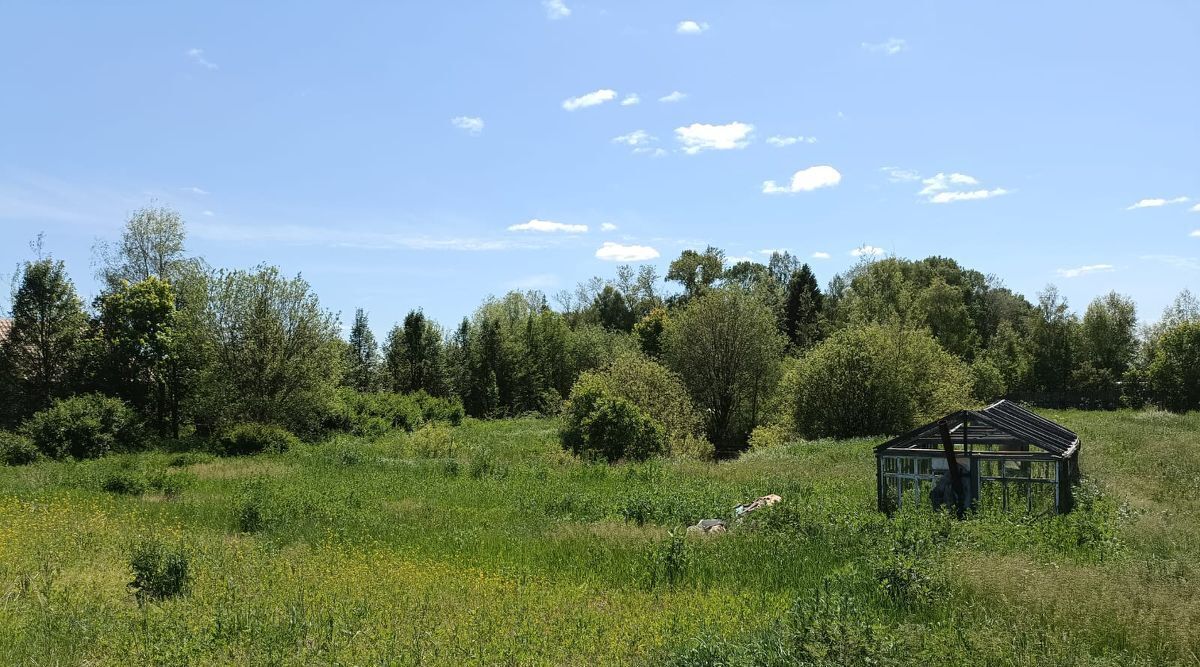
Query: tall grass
[485, 544]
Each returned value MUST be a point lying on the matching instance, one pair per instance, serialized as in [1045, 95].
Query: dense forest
[713, 354]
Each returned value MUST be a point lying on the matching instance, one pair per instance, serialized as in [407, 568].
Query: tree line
[194, 350]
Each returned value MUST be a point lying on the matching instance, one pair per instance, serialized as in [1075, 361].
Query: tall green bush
[655, 391]
[87, 426]
[598, 424]
[1174, 373]
[874, 379]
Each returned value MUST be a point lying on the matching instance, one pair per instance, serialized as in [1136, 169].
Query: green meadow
[486, 544]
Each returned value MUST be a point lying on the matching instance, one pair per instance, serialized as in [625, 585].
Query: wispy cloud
[472, 125]
[699, 137]
[635, 138]
[867, 251]
[780, 141]
[630, 100]
[195, 190]
[821, 255]
[617, 252]
[608, 227]
[345, 238]
[590, 99]
[535, 281]
[691, 27]
[1158, 201]
[1195, 209]
[197, 56]
[1085, 270]
[945, 188]
[555, 9]
[1186, 263]
[207, 213]
[548, 226]
[805, 180]
[1195, 234]
[673, 96]
[897, 175]
[889, 47]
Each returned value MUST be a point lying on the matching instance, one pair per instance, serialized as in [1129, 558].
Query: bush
[85, 427]
[872, 380]
[987, 382]
[1174, 373]
[433, 441]
[603, 426]
[124, 481]
[653, 390]
[160, 571]
[767, 437]
[246, 439]
[373, 414]
[16, 449]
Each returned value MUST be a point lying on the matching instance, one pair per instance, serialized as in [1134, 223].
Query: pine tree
[362, 370]
[41, 353]
[802, 310]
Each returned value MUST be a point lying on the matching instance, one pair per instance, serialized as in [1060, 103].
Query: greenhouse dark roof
[998, 422]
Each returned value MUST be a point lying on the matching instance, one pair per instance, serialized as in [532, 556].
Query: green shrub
[599, 425]
[170, 483]
[432, 441]
[372, 414]
[124, 481]
[766, 437]
[160, 571]
[85, 427]
[987, 382]
[692, 447]
[1174, 373]
[247, 439]
[16, 449]
[874, 379]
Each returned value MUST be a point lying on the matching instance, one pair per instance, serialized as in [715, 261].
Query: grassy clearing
[485, 544]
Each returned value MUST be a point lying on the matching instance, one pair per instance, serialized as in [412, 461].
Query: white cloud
[772, 251]
[341, 237]
[197, 56]
[196, 190]
[1158, 201]
[635, 138]
[630, 100]
[891, 46]
[690, 28]
[1195, 234]
[701, 137]
[608, 227]
[616, 252]
[897, 175]
[867, 251]
[473, 125]
[673, 96]
[781, 141]
[1196, 208]
[1084, 270]
[821, 255]
[1187, 263]
[547, 226]
[737, 259]
[947, 197]
[589, 100]
[208, 213]
[555, 9]
[945, 188]
[806, 180]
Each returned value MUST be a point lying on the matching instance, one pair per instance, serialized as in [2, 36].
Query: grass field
[486, 544]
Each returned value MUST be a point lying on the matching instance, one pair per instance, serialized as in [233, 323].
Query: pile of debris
[717, 526]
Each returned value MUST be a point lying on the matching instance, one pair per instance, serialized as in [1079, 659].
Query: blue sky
[385, 150]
